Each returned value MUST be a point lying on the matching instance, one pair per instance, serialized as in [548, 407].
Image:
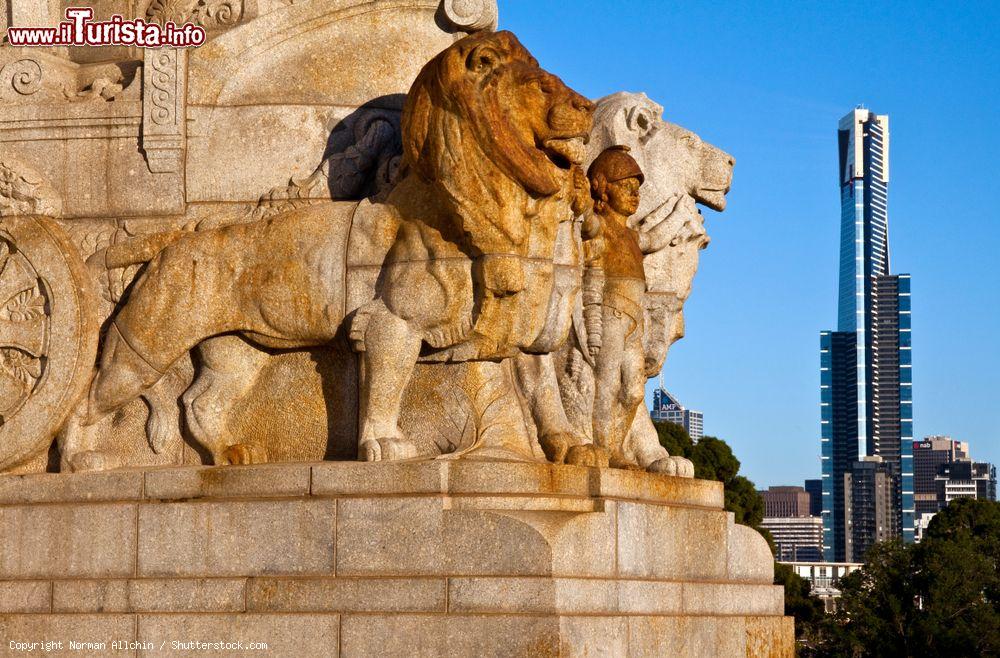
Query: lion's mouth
[564, 152]
[713, 198]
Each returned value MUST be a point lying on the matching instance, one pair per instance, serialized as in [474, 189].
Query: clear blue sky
[768, 82]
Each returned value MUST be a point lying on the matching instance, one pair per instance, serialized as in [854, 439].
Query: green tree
[807, 610]
[714, 460]
[958, 577]
[940, 597]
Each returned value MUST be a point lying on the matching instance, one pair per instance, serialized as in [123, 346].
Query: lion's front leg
[389, 349]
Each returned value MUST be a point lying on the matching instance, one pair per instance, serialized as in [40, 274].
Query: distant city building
[796, 538]
[928, 455]
[823, 577]
[922, 521]
[865, 365]
[956, 477]
[815, 490]
[965, 479]
[869, 511]
[666, 407]
[785, 502]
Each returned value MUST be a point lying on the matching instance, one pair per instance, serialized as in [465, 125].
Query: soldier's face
[623, 196]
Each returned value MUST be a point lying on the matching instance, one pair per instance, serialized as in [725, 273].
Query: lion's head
[483, 106]
[681, 171]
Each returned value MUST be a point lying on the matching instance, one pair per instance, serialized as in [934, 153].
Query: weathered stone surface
[71, 487]
[636, 485]
[187, 595]
[532, 595]
[150, 595]
[688, 636]
[25, 596]
[283, 635]
[454, 581]
[672, 543]
[594, 636]
[90, 596]
[391, 536]
[358, 478]
[346, 595]
[733, 599]
[747, 557]
[415, 535]
[649, 597]
[256, 482]
[67, 541]
[94, 634]
[449, 635]
[211, 539]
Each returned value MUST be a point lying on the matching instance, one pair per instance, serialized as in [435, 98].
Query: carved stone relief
[48, 333]
[163, 108]
[213, 15]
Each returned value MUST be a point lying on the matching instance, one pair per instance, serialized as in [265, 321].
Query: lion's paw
[93, 460]
[556, 445]
[587, 454]
[388, 449]
[677, 466]
[245, 453]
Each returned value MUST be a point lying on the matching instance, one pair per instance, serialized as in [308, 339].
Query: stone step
[462, 595]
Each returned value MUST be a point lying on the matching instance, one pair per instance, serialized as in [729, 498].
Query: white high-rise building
[666, 407]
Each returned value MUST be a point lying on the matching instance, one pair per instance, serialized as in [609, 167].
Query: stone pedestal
[441, 558]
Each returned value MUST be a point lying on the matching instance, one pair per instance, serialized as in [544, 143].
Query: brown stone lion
[458, 263]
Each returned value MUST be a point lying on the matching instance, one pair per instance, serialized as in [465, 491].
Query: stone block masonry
[436, 558]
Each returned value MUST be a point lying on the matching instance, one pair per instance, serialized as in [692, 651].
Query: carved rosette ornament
[471, 15]
[48, 335]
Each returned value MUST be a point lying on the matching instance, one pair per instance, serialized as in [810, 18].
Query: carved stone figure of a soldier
[614, 286]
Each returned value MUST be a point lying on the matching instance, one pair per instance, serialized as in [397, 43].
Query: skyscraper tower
[865, 366]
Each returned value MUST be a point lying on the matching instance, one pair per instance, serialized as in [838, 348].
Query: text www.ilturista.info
[79, 30]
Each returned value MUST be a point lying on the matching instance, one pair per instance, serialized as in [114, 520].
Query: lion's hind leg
[227, 368]
[123, 376]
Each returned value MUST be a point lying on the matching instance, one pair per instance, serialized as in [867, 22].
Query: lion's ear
[482, 59]
[644, 118]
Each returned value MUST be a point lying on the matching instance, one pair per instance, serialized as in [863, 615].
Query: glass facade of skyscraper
[865, 367]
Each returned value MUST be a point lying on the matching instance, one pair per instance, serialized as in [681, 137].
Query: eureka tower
[865, 366]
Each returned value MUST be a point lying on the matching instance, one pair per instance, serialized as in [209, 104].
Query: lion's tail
[137, 250]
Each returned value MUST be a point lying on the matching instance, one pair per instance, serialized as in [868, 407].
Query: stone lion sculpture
[681, 171]
[457, 264]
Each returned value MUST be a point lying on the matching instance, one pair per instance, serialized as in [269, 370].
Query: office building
[928, 456]
[796, 538]
[666, 407]
[785, 501]
[870, 514]
[823, 577]
[965, 479]
[815, 490]
[865, 365]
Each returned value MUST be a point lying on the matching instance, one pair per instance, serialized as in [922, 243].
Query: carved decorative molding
[24, 192]
[24, 76]
[163, 116]
[213, 15]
